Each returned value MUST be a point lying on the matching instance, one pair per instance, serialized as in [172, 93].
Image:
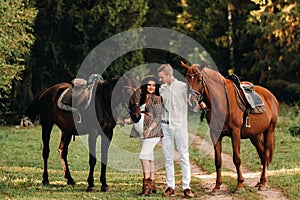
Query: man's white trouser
[180, 137]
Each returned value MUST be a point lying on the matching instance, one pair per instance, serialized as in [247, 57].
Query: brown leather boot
[153, 187]
[146, 187]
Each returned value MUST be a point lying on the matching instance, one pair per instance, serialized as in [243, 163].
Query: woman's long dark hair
[144, 88]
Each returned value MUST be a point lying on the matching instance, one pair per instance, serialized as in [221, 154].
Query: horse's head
[124, 92]
[195, 78]
[132, 99]
[134, 105]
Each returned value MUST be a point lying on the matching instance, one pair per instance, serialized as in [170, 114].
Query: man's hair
[166, 68]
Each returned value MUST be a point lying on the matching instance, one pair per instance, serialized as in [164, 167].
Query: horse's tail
[271, 131]
[32, 111]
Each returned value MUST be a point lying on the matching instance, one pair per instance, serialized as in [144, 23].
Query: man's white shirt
[175, 103]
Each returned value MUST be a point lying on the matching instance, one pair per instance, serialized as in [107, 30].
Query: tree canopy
[16, 38]
[45, 42]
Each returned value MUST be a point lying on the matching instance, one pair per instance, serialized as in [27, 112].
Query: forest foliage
[45, 42]
[16, 38]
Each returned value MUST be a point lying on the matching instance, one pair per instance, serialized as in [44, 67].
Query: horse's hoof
[104, 189]
[263, 187]
[239, 190]
[91, 189]
[215, 192]
[45, 183]
[71, 182]
[257, 184]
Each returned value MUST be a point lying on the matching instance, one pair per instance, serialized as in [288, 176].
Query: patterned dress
[152, 113]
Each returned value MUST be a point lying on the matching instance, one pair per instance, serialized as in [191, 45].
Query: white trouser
[148, 145]
[180, 137]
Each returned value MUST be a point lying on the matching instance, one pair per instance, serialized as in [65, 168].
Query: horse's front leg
[105, 143]
[236, 145]
[63, 153]
[218, 162]
[92, 139]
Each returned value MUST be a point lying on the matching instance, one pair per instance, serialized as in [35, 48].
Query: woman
[148, 129]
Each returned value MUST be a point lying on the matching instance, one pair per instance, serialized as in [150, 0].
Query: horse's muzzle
[193, 103]
[135, 117]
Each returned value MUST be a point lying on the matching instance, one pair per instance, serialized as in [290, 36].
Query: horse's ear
[184, 65]
[204, 65]
[139, 88]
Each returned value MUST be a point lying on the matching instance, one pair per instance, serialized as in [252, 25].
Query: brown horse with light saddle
[238, 110]
[83, 107]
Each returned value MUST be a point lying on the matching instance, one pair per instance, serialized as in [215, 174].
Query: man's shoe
[169, 192]
[188, 193]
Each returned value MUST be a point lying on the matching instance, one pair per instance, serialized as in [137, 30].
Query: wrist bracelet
[150, 128]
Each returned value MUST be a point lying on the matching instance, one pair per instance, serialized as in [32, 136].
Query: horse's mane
[105, 87]
[213, 74]
[215, 83]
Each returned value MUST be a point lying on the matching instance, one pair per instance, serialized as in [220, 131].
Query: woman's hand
[125, 121]
[147, 132]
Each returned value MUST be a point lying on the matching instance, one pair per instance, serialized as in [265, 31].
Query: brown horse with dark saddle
[236, 109]
[90, 111]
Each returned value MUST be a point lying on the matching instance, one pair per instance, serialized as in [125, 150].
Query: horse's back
[47, 100]
[54, 90]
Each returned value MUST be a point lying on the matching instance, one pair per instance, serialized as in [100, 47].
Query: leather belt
[164, 121]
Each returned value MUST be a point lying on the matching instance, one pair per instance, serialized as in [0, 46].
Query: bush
[285, 91]
[295, 130]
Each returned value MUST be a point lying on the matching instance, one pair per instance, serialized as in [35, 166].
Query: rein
[228, 107]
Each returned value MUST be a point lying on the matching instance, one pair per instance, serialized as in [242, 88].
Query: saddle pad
[252, 97]
[243, 104]
[62, 104]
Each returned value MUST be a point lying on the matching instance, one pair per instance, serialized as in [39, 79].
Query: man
[174, 126]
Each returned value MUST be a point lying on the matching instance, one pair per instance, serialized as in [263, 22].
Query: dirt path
[208, 180]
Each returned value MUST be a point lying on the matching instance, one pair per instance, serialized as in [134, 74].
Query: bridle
[131, 108]
[198, 94]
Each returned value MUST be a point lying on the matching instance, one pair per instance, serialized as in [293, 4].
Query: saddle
[77, 98]
[252, 97]
[250, 101]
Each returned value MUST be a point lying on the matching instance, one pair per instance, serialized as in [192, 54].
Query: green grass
[21, 164]
[21, 168]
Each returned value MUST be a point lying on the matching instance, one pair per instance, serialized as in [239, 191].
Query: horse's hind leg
[258, 143]
[46, 132]
[63, 152]
[269, 143]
